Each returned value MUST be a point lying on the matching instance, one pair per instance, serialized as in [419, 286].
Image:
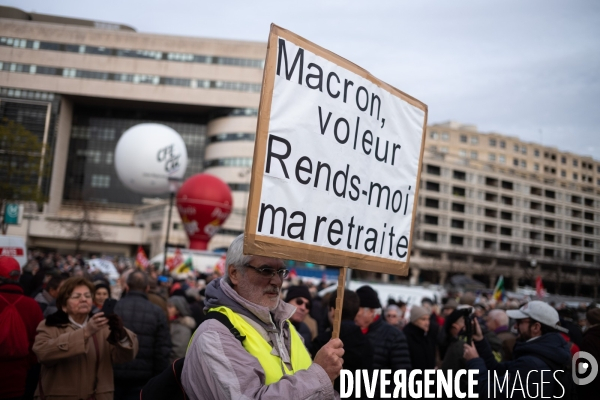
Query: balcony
[458, 207]
[491, 182]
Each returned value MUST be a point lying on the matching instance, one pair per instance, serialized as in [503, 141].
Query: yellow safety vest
[256, 345]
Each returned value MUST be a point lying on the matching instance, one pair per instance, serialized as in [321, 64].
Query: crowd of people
[254, 333]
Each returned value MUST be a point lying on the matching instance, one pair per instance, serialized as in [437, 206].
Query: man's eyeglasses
[299, 302]
[269, 272]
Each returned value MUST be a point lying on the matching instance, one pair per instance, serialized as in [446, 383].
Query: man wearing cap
[591, 344]
[390, 350]
[420, 343]
[262, 356]
[539, 350]
[14, 368]
[299, 296]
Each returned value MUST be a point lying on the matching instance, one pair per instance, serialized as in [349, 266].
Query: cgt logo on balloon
[204, 202]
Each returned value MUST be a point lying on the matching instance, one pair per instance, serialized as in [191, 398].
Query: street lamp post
[174, 185]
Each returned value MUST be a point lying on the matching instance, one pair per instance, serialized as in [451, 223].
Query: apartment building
[493, 205]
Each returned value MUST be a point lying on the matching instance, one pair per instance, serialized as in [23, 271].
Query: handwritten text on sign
[342, 159]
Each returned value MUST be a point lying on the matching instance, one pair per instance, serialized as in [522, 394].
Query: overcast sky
[530, 69]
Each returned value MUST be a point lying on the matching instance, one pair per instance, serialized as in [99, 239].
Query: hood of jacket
[219, 293]
[551, 345]
[185, 321]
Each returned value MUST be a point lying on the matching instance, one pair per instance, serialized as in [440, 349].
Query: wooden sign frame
[285, 249]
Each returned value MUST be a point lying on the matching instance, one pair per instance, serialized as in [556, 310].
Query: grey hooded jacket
[218, 367]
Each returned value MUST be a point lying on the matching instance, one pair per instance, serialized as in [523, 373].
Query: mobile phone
[108, 308]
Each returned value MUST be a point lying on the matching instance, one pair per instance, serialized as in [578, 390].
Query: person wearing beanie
[591, 344]
[15, 365]
[420, 343]
[390, 349]
[101, 293]
[299, 296]
[181, 327]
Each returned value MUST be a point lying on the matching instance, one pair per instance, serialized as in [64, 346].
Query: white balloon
[147, 155]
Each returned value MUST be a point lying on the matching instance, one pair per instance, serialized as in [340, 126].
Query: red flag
[539, 287]
[175, 261]
[140, 259]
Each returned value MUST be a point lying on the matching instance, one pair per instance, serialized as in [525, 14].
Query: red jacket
[13, 373]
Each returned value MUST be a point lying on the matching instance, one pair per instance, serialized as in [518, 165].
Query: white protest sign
[336, 164]
[104, 266]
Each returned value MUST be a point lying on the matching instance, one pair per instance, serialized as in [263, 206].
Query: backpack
[564, 378]
[167, 385]
[14, 340]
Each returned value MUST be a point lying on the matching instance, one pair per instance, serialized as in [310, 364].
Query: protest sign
[336, 162]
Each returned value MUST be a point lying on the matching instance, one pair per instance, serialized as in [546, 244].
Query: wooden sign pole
[339, 303]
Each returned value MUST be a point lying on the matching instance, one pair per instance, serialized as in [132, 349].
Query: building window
[575, 177]
[501, 159]
[575, 163]
[563, 160]
[462, 153]
[516, 148]
[100, 181]
[563, 173]
[155, 226]
[433, 169]
[443, 149]
[474, 155]
[430, 237]
[433, 186]
[432, 203]
[536, 152]
[523, 164]
[502, 144]
[457, 223]
[474, 140]
[433, 135]
[431, 219]
[463, 138]
[456, 240]
[493, 142]
[536, 167]
[445, 136]
[461, 175]
[516, 162]
[492, 157]
[523, 150]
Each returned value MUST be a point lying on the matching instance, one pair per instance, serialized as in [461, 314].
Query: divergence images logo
[581, 367]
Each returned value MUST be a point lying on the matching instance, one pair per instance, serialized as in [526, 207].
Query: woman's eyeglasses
[79, 295]
[269, 272]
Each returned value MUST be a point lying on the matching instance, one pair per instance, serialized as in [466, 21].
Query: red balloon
[204, 202]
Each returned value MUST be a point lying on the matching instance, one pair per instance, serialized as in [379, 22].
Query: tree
[83, 228]
[24, 162]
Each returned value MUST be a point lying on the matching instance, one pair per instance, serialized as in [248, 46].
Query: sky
[529, 69]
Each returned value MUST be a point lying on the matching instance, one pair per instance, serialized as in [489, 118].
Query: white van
[14, 246]
[411, 295]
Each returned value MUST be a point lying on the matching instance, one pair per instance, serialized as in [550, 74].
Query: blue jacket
[528, 356]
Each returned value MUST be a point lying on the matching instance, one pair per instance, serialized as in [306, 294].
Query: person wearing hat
[181, 325]
[14, 367]
[420, 344]
[591, 344]
[538, 353]
[299, 296]
[390, 349]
